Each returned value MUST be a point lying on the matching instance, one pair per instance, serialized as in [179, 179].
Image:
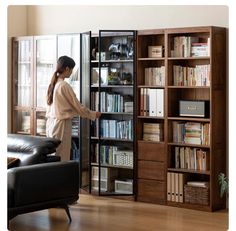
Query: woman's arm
[82, 110]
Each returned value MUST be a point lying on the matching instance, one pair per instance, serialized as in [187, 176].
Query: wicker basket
[196, 195]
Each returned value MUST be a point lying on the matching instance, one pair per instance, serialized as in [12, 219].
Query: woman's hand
[98, 114]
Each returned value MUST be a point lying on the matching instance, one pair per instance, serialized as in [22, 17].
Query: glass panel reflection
[23, 81]
[40, 123]
[45, 67]
[70, 45]
[22, 122]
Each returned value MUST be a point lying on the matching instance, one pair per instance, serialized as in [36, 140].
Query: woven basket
[196, 195]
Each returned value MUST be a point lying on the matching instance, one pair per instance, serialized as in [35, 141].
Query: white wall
[17, 20]
[66, 19]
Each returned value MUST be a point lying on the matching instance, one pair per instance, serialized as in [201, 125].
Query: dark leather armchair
[34, 184]
[32, 149]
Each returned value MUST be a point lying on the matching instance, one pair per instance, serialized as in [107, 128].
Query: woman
[62, 106]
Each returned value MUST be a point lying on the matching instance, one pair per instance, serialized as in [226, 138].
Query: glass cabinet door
[85, 99]
[40, 123]
[45, 48]
[22, 73]
[69, 45]
[22, 121]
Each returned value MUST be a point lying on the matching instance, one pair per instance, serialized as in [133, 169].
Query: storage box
[124, 186]
[194, 108]
[123, 158]
[196, 195]
[155, 51]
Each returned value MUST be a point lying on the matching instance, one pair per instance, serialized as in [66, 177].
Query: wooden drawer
[151, 151]
[151, 170]
[151, 191]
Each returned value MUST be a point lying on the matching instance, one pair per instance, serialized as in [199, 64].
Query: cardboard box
[155, 51]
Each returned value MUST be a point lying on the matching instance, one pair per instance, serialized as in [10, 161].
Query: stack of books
[153, 132]
[199, 49]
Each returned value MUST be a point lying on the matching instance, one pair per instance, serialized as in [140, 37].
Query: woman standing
[62, 106]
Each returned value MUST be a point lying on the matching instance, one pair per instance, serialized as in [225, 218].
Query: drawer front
[151, 170]
[151, 151]
[151, 191]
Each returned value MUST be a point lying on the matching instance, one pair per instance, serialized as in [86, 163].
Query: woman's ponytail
[51, 88]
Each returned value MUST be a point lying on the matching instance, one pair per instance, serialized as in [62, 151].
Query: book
[168, 186]
[181, 187]
[176, 187]
[172, 186]
[198, 183]
[160, 102]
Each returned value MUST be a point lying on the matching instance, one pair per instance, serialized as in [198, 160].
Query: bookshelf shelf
[151, 86]
[117, 113]
[189, 145]
[144, 141]
[118, 61]
[150, 59]
[189, 58]
[189, 119]
[189, 171]
[112, 166]
[150, 117]
[189, 87]
[113, 139]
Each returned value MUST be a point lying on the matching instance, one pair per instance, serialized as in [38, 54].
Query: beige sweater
[66, 105]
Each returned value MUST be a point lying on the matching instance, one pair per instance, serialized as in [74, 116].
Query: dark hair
[62, 63]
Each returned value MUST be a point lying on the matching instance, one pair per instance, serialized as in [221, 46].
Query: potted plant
[224, 184]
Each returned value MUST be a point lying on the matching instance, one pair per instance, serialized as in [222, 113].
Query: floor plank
[105, 214]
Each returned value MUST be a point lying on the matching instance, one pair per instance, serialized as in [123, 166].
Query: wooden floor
[107, 214]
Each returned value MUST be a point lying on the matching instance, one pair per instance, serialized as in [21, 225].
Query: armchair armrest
[43, 182]
[31, 149]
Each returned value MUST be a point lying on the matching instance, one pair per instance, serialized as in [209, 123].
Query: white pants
[60, 129]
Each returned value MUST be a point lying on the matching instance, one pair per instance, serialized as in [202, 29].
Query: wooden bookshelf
[181, 85]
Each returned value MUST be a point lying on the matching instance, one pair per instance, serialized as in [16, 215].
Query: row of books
[75, 126]
[191, 76]
[187, 46]
[191, 132]
[114, 155]
[111, 102]
[151, 102]
[191, 158]
[155, 76]
[175, 187]
[117, 129]
[153, 132]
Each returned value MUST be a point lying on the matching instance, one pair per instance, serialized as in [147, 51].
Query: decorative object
[223, 183]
